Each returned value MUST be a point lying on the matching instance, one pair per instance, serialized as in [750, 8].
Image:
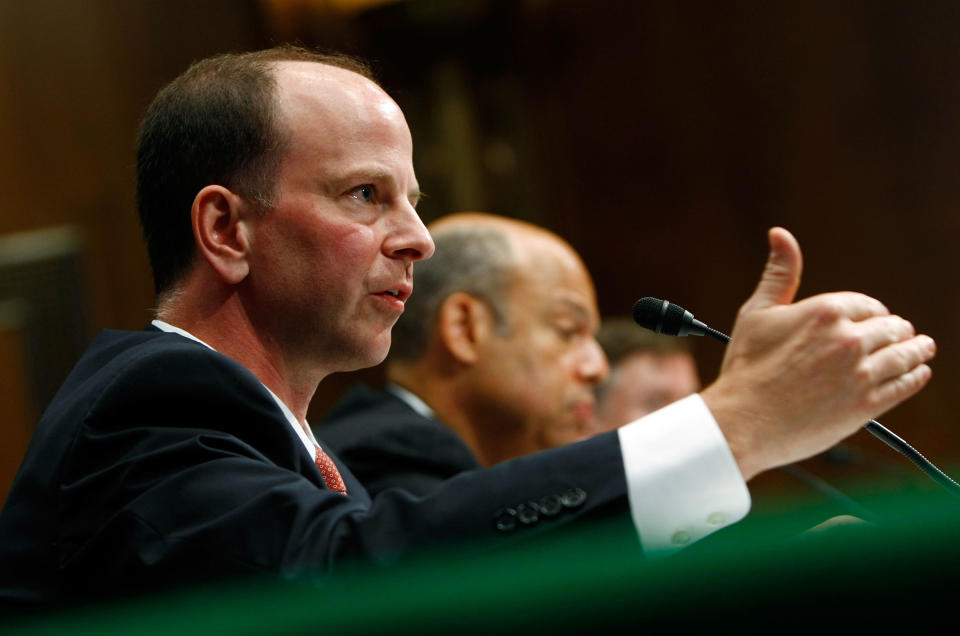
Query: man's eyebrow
[575, 307]
[363, 174]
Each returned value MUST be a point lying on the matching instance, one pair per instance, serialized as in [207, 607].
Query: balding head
[217, 123]
[498, 336]
[331, 99]
[527, 239]
[482, 255]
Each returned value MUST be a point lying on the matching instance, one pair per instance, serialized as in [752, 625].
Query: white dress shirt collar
[411, 399]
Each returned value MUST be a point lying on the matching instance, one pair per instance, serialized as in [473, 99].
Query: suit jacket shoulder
[387, 444]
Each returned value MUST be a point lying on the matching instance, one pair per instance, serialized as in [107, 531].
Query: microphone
[673, 320]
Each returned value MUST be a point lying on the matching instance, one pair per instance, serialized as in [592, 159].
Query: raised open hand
[798, 377]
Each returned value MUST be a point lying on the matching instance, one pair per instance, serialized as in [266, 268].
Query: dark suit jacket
[387, 444]
[161, 462]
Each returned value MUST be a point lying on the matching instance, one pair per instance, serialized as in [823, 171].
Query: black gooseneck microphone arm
[670, 319]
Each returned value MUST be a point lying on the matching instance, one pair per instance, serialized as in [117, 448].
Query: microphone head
[659, 315]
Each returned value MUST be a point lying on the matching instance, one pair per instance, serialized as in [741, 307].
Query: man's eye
[364, 193]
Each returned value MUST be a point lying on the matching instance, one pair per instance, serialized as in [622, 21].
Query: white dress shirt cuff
[682, 480]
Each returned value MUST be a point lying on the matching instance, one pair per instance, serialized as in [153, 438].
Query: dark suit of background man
[277, 195]
[493, 358]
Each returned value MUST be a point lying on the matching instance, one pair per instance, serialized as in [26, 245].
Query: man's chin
[355, 356]
[371, 356]
[570, 434]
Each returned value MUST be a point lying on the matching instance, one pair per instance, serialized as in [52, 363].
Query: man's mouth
[401, 293]
[583, 410]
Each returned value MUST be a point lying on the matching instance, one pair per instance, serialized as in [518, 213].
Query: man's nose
[593, 366]
[410, 239]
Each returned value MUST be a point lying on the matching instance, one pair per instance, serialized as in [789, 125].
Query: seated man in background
[647, 371]
[494, 357]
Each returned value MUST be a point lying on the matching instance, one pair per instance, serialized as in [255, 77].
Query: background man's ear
[221, 230]
[464, 322]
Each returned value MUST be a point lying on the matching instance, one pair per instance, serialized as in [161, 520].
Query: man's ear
[463, 324]
[221, 229]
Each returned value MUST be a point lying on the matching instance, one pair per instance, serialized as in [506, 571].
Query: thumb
[781, 275]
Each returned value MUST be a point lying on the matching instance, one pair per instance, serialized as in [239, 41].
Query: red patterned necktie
[331, 476]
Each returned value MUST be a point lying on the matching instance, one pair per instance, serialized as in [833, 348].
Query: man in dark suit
[494, 357]
[277, 196]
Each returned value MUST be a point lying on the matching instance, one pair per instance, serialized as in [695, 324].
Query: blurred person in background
[647, 372]
[494, 357]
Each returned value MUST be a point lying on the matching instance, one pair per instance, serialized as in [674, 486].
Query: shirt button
[681, 537]
[717, 518]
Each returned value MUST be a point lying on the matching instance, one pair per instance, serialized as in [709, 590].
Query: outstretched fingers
[899, 388]
[880, 331]
[899, 370]
[901, 357]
